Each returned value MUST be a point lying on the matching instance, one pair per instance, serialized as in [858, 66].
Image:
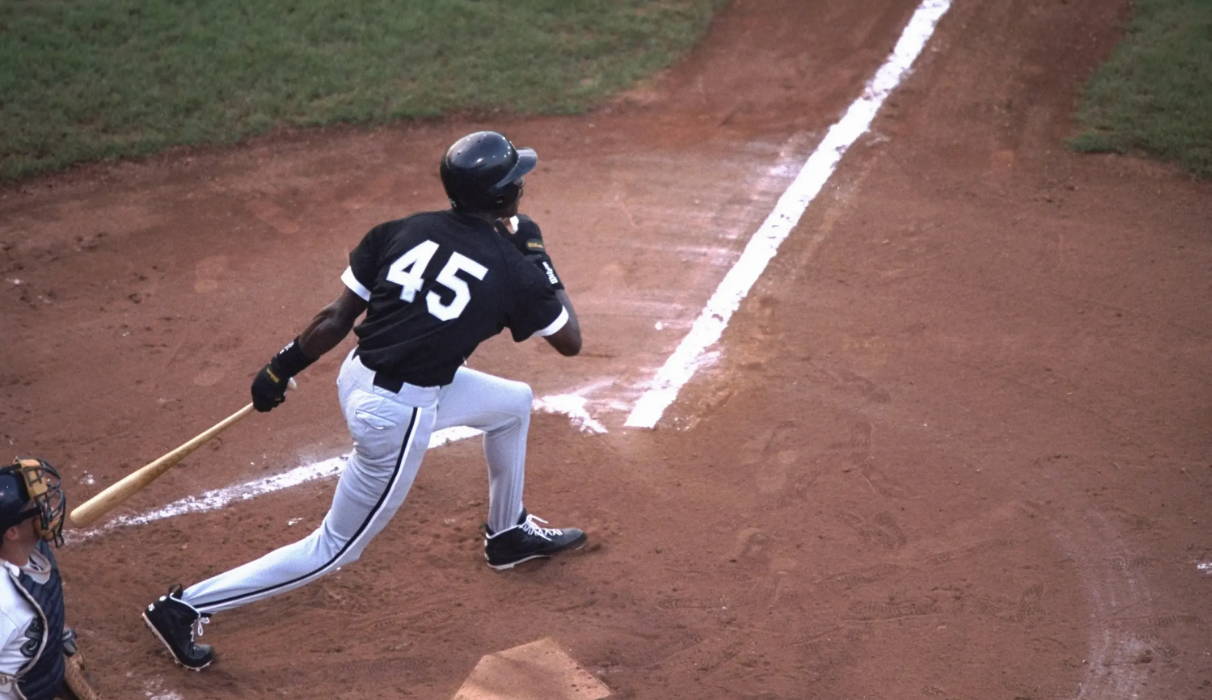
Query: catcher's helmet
[31, 488]
[483, 171]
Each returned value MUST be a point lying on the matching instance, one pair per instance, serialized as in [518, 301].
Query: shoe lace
[198, 623]
[530, 528]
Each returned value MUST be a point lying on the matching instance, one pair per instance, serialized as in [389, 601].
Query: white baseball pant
[390, 432]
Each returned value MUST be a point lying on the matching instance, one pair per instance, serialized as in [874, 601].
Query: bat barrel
[119, 491]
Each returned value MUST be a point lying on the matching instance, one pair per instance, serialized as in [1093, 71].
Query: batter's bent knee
[525, 397]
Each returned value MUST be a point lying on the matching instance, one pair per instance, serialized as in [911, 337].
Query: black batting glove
[523, 233]
[269, 386]
[268, 389]
[528, 239]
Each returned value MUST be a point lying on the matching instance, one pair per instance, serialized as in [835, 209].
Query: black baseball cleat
[527, 540]
[176, 623]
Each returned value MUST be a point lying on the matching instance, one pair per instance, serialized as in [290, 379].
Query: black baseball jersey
[438, 284]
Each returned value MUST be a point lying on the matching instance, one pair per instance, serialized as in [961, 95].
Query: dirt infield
[956, 443]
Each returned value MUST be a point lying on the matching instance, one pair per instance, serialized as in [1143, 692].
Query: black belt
[392, 384]
[384, 380]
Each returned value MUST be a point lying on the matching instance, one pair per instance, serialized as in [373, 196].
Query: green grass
[82, 80]
[1154, 95]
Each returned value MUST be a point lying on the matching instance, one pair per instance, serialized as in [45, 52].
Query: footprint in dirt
[750, 547]
[216, 365]
[273, 215]
[881, 531]
[210, 374]
[209, 273]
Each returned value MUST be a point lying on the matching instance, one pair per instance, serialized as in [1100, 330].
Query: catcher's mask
[31, 488]
[483, 172]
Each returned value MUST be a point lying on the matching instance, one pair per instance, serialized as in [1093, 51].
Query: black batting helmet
[483, 171]
[31, 488]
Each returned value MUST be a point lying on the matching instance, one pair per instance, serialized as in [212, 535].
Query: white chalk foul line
[571, 405]
[218, 498]
[764, 243]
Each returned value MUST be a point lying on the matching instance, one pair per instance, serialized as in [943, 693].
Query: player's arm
[526, 236]
[328, 328]
[567, 340]
[331, 324]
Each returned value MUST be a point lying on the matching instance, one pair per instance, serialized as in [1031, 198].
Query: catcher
[35, 647]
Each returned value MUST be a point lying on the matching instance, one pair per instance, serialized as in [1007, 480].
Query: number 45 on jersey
[408, 269]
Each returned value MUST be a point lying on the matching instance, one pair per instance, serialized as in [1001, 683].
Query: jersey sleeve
[535, 310]
[363, 267]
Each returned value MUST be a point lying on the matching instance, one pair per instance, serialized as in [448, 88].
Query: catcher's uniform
[31, 627]
[437, 285]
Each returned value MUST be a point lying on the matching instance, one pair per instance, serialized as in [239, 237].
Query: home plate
[536, 671]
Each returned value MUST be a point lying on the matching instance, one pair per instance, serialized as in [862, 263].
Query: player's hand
[529, 238]
[526, 236]
[524, 233]
[268, 389]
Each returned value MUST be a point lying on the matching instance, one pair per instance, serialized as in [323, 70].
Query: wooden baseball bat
[119, 491]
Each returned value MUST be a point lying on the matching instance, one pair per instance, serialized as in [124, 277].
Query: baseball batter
[433, 286]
